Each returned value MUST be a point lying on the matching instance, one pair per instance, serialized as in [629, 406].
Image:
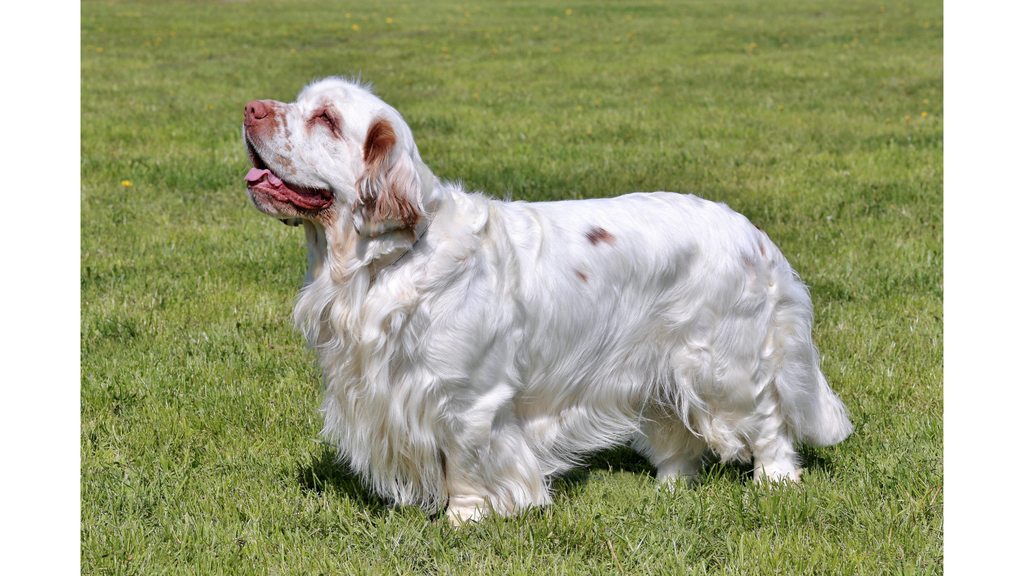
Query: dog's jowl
[471, 348]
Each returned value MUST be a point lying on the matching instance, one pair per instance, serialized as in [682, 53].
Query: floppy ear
[389, 187]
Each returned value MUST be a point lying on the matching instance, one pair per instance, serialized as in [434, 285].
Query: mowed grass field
[821, 121]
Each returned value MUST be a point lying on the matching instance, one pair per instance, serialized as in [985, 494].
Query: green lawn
[822, 121]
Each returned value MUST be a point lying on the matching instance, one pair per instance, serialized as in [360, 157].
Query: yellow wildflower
[126, 183]
[355, 27]
[924, 114]
[568, 11]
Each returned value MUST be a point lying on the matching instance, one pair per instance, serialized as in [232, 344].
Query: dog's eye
[324, 117]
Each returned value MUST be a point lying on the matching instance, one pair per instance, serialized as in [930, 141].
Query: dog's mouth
[262, 180]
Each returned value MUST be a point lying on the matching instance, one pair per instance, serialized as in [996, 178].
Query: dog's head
[337, 152]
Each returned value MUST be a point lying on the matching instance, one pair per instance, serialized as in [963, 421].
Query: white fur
[468, 366]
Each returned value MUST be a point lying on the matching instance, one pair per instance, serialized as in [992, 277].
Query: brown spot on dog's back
[763, 252]
[598, 235]
[580, 274]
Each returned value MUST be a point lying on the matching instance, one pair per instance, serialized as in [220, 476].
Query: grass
[819, 120]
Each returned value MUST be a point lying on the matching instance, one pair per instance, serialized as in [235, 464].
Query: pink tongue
[255, 174]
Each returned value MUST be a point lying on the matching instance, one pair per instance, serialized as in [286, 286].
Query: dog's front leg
[490, 466]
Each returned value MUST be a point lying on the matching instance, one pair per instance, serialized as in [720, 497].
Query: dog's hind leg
[775, 459]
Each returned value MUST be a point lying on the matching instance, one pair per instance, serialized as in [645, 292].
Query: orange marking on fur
[379, 140]
[597, 235]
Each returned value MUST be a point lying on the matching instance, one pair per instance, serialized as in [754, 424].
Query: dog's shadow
[624, 459]
[327, 471]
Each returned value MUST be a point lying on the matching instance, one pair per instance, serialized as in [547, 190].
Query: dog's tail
[813, 411]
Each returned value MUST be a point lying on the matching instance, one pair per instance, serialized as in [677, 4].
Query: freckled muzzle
[261, 180]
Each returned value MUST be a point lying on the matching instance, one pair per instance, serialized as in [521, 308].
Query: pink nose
[255, 110]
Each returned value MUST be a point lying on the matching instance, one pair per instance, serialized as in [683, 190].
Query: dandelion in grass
[568, 11]
[126, 183]
[355, 27]
[924, 114]
[628, 17]
[475, 95]
[293, 50]
[209, 106]
[99, 49]
[579, 107]
[907, 118]
[487, 35]
[389, 20]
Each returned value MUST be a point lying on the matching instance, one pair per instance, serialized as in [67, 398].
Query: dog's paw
[464, 510]
[776, 474]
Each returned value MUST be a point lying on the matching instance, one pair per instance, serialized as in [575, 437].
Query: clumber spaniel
[471, 348]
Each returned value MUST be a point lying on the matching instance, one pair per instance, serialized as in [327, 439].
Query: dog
[472, 348]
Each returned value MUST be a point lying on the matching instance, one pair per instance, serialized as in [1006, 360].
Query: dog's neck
[340, 247]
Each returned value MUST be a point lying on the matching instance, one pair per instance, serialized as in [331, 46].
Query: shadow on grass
[326, 472]
[624, 459]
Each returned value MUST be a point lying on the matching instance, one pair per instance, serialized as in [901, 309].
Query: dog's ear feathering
[389, 187]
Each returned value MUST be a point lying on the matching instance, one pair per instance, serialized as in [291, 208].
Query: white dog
[471, 348]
